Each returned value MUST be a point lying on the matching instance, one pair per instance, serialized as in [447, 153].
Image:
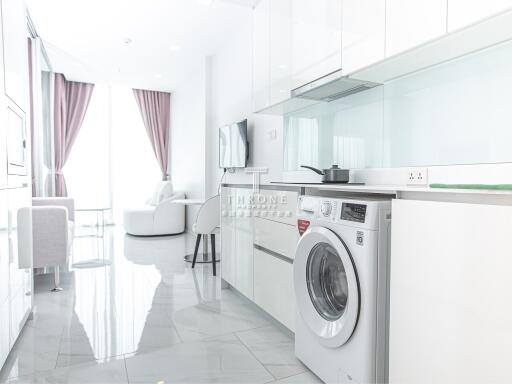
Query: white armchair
[159, 216]
[52, 232]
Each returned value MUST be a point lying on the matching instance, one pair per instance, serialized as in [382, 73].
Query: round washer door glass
[327, 281]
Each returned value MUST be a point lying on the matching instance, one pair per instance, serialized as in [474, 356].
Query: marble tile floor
[147, 317]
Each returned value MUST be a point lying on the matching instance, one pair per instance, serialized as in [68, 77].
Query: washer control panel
[359, 213]
[353, 212]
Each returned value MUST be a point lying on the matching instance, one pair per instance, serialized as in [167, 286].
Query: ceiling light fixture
[175, 48]
[158, 75]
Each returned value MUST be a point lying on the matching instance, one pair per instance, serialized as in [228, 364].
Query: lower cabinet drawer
[273, 287]
[278, 237]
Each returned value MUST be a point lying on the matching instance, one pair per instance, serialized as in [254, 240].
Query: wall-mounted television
[233, 145]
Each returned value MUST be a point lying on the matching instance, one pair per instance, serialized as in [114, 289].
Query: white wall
[220, 94]
[229, 95]
[187, 139]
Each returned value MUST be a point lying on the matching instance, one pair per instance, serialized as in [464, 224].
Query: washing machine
[341, 286]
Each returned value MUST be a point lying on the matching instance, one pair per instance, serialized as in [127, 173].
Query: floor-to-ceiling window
[112, 164]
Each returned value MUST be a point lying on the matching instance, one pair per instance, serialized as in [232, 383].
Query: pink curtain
[70, 104]
[155, 108]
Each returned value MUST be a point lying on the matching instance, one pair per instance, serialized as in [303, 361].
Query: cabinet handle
[273, 254]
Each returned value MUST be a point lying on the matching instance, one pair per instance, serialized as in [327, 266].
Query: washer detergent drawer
[273, 286]
[277, 237]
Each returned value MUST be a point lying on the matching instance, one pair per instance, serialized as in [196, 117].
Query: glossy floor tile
[133, 311]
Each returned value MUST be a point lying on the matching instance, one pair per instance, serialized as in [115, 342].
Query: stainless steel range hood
[332, 87]
[327, 88]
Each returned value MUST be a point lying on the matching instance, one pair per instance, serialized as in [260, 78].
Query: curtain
[70, 104]
[155, 108]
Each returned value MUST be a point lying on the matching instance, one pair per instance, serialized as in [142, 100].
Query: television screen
[233, 146]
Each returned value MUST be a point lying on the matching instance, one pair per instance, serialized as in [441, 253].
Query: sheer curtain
[88, 170]
[135, 170]
[112, 164]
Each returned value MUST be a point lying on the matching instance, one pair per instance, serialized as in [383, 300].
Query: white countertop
[393, 189]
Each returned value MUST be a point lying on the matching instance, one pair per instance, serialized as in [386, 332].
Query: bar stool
[208, 218]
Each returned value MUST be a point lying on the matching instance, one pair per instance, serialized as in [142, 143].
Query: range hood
[328, 88]
[334, 86]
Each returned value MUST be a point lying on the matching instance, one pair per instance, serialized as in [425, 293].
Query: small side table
[207, 257]
[100, 214]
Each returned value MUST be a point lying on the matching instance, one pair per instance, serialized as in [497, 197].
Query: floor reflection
[145, 316]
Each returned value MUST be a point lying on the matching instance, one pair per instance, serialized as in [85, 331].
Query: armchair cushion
[163, 190]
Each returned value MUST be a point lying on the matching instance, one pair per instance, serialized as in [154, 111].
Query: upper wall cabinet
[280, 50]
[316, 39]
[261, 55]
[410, 23]
[464, 12]
[14, 22]
[363, 33]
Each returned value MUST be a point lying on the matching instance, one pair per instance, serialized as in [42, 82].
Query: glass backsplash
[459, 112]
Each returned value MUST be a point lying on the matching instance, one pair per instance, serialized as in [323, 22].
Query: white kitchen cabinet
[273, 287]
[280, 206]
[261, 55]
[464, 12]
[244, 246]
[20, 280]
[4, 247]
[275, 236]
[280, 50]
[316, 39]
[410, 23]
[14, 21]
[450, 293]
[237, 240]
[363, 33]
[228, 237]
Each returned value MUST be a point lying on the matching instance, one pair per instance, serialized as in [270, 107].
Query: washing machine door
[326, 286]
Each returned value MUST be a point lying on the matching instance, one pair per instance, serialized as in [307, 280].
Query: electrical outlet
[417, 176]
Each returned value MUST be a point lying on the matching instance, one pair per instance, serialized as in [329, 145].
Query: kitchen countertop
[376, 189]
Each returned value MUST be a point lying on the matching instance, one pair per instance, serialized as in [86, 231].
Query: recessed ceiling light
[205, 2]
[282, 66]
[175, 48]
[158, 75]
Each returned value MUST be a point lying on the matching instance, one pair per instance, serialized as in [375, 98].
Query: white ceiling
[85, 39]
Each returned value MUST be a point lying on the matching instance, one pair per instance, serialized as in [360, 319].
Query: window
[111, 163]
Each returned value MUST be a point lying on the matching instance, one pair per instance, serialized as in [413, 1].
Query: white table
[100, 212]
[100, 235]
[207, 257]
